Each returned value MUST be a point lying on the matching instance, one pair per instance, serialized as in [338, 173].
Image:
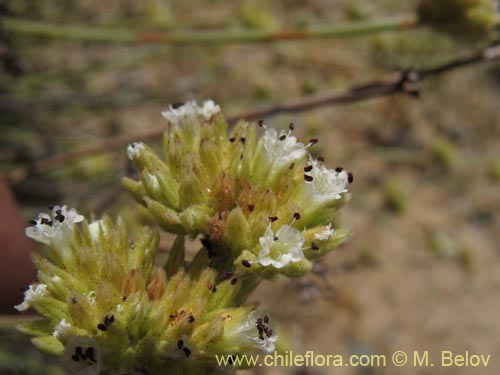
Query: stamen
[232, 139]
[291, 126]
[180, 344]
[234, 280]
[243, 140]
[350, 177]
[308, 178]
[272, 219]
[314, 246]
[313, 141]
[308, 168]
[251, 207]
[246, 263]
[339, 169]
[296, 216]
[102, 327]
[186, 351]
[321, 159]
[282, 138]
[177, 105]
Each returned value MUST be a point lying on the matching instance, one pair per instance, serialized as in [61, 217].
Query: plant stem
[108, 35]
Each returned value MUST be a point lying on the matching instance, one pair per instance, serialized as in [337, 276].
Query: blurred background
[422, 268]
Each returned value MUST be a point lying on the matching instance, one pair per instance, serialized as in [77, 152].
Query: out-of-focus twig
[405, 82]
[127, 36]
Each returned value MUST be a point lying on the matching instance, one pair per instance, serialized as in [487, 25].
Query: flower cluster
[260, 205]
[259, 201]
[107, 308]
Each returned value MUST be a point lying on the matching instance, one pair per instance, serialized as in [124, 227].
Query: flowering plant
[260, 205]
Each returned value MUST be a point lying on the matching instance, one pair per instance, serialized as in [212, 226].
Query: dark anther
[261, 123]
[269, 333]
[180, 344]
[75, 357]
[246, 263]
[282, 137]
[276, 238]
[102, 327]
[266, 319]
[33, 222]
[78, 350]
[291, 126]
[90, 354]
[339, 169]
[314, 246]
[308, 168]
[243, 140]
[308, 178]
[60, 217]
[272, 219]
[46, 222]
[177, 105]
[321, 159]
[291, 166]
[190, 319]
[313, 141]
[186, 351]
[350, 177]
[251, 207]
[296, 216]
[214, 289]
[232, 139]
[234, 280]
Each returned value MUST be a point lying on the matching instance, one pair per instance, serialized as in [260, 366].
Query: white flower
[52, 230]
[325, 234]
[62, 329]
[280, 249]
[31, 296]
[209, 109]
[177, 114]
[134, 150]
[326, 185]
[188, 112]
[283, 149]
[259, 332]
[82, 356]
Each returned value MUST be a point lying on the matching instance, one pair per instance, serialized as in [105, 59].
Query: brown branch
[405, 82]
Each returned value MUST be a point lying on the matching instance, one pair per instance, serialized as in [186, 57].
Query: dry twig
[405, 82]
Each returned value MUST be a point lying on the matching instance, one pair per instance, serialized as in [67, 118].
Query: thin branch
[406, 82]
[127, 36]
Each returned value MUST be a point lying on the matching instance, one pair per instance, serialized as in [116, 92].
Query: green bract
[259, 203]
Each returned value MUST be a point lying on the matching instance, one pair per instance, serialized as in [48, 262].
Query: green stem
[107, 35]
